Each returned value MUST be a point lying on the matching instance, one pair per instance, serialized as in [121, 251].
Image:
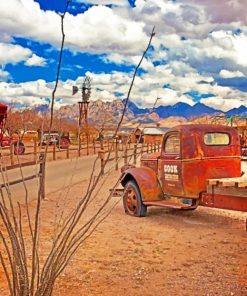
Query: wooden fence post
[42, 175]
[142, 149]
[94, 147]
[11, 154]
[67, 152]
[125, 155]
[35, 150]
[101, 154]
[135, 151]
[54, 151]
[116, 155]
[79, 146]
[87, 145]
[101, 144]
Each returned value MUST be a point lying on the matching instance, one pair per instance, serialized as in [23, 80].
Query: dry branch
[38, 280]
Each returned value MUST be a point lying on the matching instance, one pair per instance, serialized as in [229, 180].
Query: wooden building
[152, 135]
[147, 135]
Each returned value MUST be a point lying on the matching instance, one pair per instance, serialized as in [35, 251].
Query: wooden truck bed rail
[239, 182]
[226, 193]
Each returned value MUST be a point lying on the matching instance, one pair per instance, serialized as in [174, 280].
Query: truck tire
[132, 200]
[19, 148]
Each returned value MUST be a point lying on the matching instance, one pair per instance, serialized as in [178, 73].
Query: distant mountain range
[111, 112]
[185, 110]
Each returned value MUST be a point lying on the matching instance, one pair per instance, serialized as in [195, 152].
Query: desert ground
[202, 252]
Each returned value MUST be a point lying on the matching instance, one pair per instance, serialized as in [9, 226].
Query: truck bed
[226, 193]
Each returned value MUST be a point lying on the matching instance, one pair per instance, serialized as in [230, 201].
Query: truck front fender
[147, 181]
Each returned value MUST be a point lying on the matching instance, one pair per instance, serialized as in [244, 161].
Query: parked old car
[59, 139]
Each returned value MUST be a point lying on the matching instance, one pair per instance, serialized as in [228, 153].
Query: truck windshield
[217, 139]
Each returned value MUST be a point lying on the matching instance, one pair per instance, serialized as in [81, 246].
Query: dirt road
[59, 174]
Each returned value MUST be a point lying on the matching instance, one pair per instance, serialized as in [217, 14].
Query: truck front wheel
[132, 200]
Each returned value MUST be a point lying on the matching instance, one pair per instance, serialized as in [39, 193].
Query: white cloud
[230, 74]
[225, 44]
[32, 92]
[25, 18]
[99, 29]
[12, 53]
[4, 75]
[128, 60]
[220, 103]
[222, 11]
[220, 49]
[35, 60]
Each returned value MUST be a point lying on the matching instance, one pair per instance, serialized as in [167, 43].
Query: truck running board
[169, 204]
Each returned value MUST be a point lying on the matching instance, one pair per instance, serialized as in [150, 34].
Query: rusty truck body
[197, 165]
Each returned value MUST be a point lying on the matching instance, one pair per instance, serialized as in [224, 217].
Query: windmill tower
[83, 107]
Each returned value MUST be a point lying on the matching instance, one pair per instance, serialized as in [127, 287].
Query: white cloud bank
[146, 89]
[194, 43]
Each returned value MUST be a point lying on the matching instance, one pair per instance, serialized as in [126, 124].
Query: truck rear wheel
[132, 200]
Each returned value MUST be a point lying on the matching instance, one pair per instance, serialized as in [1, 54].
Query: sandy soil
[203, 252]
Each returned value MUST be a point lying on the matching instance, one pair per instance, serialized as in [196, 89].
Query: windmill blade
[74, 90]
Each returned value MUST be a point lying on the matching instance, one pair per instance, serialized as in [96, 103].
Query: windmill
[83, 105]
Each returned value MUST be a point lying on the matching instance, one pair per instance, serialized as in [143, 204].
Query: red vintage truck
[197, 165]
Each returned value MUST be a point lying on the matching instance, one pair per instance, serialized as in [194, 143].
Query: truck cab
[190, 156]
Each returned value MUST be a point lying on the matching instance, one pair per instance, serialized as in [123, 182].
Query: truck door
[170, 165]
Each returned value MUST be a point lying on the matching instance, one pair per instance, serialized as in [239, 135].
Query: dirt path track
[167, 253]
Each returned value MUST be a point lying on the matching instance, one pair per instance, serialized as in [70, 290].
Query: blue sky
[198, 54]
